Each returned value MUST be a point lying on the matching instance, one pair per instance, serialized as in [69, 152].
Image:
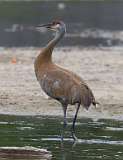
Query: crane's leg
[74, 121]
[65, 119]
[64, 106]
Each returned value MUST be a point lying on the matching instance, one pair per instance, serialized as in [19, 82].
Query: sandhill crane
[59, 83]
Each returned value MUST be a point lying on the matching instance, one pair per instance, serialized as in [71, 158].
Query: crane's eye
[55, 22]
[57, 25]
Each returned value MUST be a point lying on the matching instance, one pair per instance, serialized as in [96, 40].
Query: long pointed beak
[45, 25]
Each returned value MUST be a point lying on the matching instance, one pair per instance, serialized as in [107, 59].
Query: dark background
[16, 17]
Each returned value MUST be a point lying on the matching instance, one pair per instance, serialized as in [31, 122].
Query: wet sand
[101, 68]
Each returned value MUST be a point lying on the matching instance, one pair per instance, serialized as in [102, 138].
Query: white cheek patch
[56, 26]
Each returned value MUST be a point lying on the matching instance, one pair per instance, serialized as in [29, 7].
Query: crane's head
[55, 26]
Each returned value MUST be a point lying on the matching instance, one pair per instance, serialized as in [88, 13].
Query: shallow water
[102, 139]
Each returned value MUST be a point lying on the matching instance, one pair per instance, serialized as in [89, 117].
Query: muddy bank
[101, 68]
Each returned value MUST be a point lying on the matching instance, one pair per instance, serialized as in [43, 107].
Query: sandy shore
[101, 68]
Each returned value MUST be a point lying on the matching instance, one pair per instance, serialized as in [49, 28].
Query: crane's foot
[64, 127]
[74, 136]
[62, 138]
[62, 135]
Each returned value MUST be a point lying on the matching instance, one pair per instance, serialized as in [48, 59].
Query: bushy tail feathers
[95, 103]
[87, 97]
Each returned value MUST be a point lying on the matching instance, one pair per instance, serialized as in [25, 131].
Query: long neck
[46, 53]
[56, 39]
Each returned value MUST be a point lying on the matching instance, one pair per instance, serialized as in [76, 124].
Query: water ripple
[92, 141]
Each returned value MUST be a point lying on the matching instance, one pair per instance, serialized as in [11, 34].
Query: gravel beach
[101, 68]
